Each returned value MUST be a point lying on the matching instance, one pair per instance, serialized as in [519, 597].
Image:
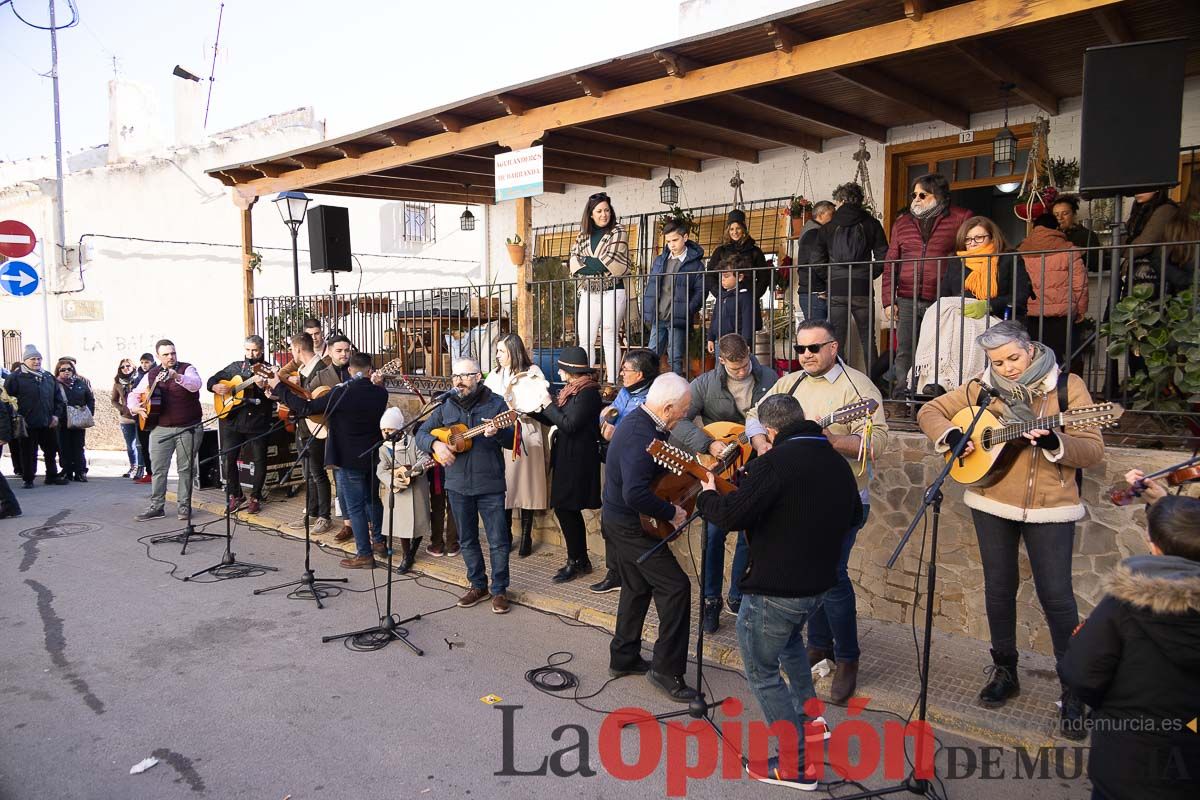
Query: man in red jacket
[922, 237]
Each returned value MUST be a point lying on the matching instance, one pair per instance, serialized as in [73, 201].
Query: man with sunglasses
[475, 479]
[824, 384]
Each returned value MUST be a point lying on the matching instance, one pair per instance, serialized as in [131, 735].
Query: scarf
[928, 218]
[1018, 395]
[573, 388]
[981, 280]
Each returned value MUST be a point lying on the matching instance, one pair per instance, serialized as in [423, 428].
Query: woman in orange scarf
[984, 271]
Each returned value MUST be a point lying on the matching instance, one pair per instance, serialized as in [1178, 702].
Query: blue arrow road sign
[18, 278]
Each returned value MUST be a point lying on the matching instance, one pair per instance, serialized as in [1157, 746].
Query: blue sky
[356, 62]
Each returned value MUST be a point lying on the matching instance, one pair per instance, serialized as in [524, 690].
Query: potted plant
[1034, 202]
[328, 308]
[1166, 334]
[516, 249]
[699, 359]
[281, 325]
[800, 210]
[677, 214]
[374, 304]
[1063, 173]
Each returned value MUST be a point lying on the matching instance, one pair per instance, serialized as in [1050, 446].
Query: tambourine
[528, 391]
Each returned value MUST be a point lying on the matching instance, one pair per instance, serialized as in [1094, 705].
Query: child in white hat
[402, 481]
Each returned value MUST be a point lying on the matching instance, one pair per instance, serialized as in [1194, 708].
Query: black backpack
[1063, 375]
[848, 244]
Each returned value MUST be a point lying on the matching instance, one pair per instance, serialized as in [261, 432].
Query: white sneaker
[322, 525]
[771, 775]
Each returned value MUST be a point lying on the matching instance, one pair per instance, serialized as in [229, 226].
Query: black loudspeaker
[329, 239]
[208, 476]
[1132, 112]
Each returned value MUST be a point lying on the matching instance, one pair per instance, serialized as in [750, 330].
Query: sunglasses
[920, 195]
[812, 348]
[65, 370]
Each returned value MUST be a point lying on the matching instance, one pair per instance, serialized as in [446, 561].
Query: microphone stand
[932, 500]
[228, 558]
[308, 582]
[390, 628]
[185, 536]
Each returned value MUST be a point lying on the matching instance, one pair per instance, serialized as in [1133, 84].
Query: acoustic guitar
[458, 437]
[224, 405]
[406, 472]
[993, 453]
[152, 403]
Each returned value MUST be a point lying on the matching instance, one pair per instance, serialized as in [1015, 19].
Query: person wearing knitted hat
[403, 487]
[737, 239]
[41, 405]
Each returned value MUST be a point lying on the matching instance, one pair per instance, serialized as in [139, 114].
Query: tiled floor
[888, 671]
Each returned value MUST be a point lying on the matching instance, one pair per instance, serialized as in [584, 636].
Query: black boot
[9, 510]
[1072, 717]
[572, 570]
[1004, 683]
[526, 534]
[410, 553]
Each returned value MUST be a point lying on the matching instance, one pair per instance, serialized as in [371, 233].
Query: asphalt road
[108, 660]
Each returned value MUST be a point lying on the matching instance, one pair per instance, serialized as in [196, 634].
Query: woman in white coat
[404, 482]
[525, 466]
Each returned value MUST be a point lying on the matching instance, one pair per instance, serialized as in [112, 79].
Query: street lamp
[466, 222]
[292, 206]
[1004, 146]
[668, 191]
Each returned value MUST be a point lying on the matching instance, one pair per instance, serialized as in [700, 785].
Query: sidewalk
[887, 670]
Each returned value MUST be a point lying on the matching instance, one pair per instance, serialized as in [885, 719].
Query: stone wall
[1105, 536]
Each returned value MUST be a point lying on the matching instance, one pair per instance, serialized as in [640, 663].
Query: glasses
[462, 376]
[64, 370]
[977, 239]
[812, 348]
[628, 369]
[920, 195]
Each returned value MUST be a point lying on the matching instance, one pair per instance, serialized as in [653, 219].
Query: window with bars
[407, 225]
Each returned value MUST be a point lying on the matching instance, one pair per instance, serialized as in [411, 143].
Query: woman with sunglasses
[599, 260]
[1035, 500]
[922, 237]
[125, 380]
[76, 391]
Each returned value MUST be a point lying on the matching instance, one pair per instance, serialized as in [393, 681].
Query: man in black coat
[42, 406]
[246, 424]
[791, 565]
[628, 494]
[352, 411]
[849, 243]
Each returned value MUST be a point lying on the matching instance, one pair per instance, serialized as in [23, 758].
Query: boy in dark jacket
[1136, 662]
[737, 309]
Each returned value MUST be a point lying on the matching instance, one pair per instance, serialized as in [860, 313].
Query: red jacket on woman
[1062, 282]
[907, 247]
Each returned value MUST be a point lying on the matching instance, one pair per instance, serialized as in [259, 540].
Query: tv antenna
[213, 71]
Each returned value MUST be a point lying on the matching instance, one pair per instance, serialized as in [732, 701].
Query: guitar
[990, 459]
[224, 405]
[737, 444]
[406, 472]
[458, 437]
[679, 485]
[316, 422]
[152, 403]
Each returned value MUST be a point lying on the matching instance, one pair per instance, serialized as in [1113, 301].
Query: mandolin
[679, 485]
[406, 472]
[458, 437]
[991, 458]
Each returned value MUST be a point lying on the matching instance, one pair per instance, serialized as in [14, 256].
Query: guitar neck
[1019, 429]
[503, 421]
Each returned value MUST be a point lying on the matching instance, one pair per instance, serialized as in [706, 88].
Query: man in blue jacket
[674, 293]
[475, 479]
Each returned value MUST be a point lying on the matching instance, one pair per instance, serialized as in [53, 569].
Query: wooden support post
[524, 229]
[244, 205]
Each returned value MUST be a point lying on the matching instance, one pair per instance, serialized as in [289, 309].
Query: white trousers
[606, 311]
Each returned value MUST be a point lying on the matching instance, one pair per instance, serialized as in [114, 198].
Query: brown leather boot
[345, 534]
[358, 562]
[845, 679]
[818, 654]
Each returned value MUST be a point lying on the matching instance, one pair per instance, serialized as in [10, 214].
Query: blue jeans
[362, 503]
[468, 508]
[814, 306]
[770, 633]
[834, 626]
[129, 431]
[663, 335]
[714, 572]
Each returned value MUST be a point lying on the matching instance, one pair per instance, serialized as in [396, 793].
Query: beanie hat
[30, 352]
[392, 418]
[738, 216]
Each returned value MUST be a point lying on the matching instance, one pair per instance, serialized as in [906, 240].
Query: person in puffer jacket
[1060, 288]
[1136, 661]
[922, 237]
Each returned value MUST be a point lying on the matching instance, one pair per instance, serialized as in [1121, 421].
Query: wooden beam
[915, 9]
[397, 137]
[1001, 70]
[1113, 25]
[744, 126]
[591, 85]
[524, 228]
[878, 82]
[247, 264]
[451, 123]
[336, 190]
[512, 105]
[784, 37]
[557, 142]
[422, 187]
[576, 178]
[596, 166]
[803, 108]
[677, 66]
[967, 20]
[433, 180]
[351, 149]
[308, 161]
[636, 131]
[272, 170]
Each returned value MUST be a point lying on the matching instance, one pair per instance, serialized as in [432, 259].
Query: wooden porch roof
[854, 67]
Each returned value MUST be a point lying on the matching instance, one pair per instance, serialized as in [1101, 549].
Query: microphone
[987, 392]
[254, 401]
[351, 379]
[441, 395]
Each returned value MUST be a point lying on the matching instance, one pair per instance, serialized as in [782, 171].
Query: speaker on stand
[329, 249]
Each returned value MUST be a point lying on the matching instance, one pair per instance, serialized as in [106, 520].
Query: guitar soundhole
[986, 440]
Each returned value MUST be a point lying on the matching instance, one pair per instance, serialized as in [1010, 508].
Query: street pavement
[109, 659]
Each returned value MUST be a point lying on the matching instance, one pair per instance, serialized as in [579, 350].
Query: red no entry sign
[16, 239]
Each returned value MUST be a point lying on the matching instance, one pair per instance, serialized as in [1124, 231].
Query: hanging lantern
[668, 190]
[1004, 146]
[466, 222]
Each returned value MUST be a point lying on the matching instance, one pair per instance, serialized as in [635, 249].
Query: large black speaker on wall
[329, 239]
[1132, 112]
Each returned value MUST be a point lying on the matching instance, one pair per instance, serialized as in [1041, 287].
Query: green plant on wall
[555, 297]
[283, 323]
[1167, 336]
